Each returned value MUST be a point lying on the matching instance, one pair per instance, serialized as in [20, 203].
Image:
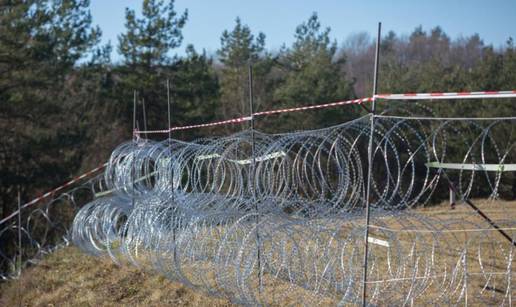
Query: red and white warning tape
[52, 192]
[406, 96]
[317, 106]
[224, 122]
[453, 95]
[248, 118]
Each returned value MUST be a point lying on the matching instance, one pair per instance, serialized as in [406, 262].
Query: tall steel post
[370, 166]
[134, 113]
[169, 111]
[144, 117]
[253, 175]
[133, 170]
[20, 250]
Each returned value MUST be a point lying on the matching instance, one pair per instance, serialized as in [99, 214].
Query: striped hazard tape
[405, 96]
[452, 95]
[317, 106]
[224, 122]
[54, 191]
[264, 113]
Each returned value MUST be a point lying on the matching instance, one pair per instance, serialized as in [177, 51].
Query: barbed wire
[46, 224]
[189, 211]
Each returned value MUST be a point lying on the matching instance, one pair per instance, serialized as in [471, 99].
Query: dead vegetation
[69, 277]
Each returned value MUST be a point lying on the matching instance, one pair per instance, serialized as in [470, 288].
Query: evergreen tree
[196, 92]
[91, 89]
[40, 42]
[313, 75]
[240, 48]
[146, 49]
[149, 39]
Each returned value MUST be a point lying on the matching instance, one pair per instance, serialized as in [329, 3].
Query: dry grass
[68, 277]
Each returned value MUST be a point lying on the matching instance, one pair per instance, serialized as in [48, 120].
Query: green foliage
[40, 43]
[239, 49]
[146, 48]
[313, 75]
[196, 90]
[149, 39]
[239, 46]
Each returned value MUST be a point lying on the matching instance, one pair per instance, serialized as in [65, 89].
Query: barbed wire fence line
[310, 194]
[42, 225]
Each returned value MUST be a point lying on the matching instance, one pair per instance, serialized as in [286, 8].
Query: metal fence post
[370, 167]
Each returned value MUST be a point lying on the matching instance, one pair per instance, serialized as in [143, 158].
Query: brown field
[69, 277]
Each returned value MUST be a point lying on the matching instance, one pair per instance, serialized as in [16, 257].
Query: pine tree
[313, 75]
[40, 43]
[146, 49]
[240, 48]
[148, 40]
[196, 91]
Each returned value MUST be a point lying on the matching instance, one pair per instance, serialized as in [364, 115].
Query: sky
[493, 20]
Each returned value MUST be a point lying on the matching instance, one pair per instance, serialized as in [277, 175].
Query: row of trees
[64, 105]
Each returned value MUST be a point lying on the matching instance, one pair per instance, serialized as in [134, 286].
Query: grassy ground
[68, 277]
